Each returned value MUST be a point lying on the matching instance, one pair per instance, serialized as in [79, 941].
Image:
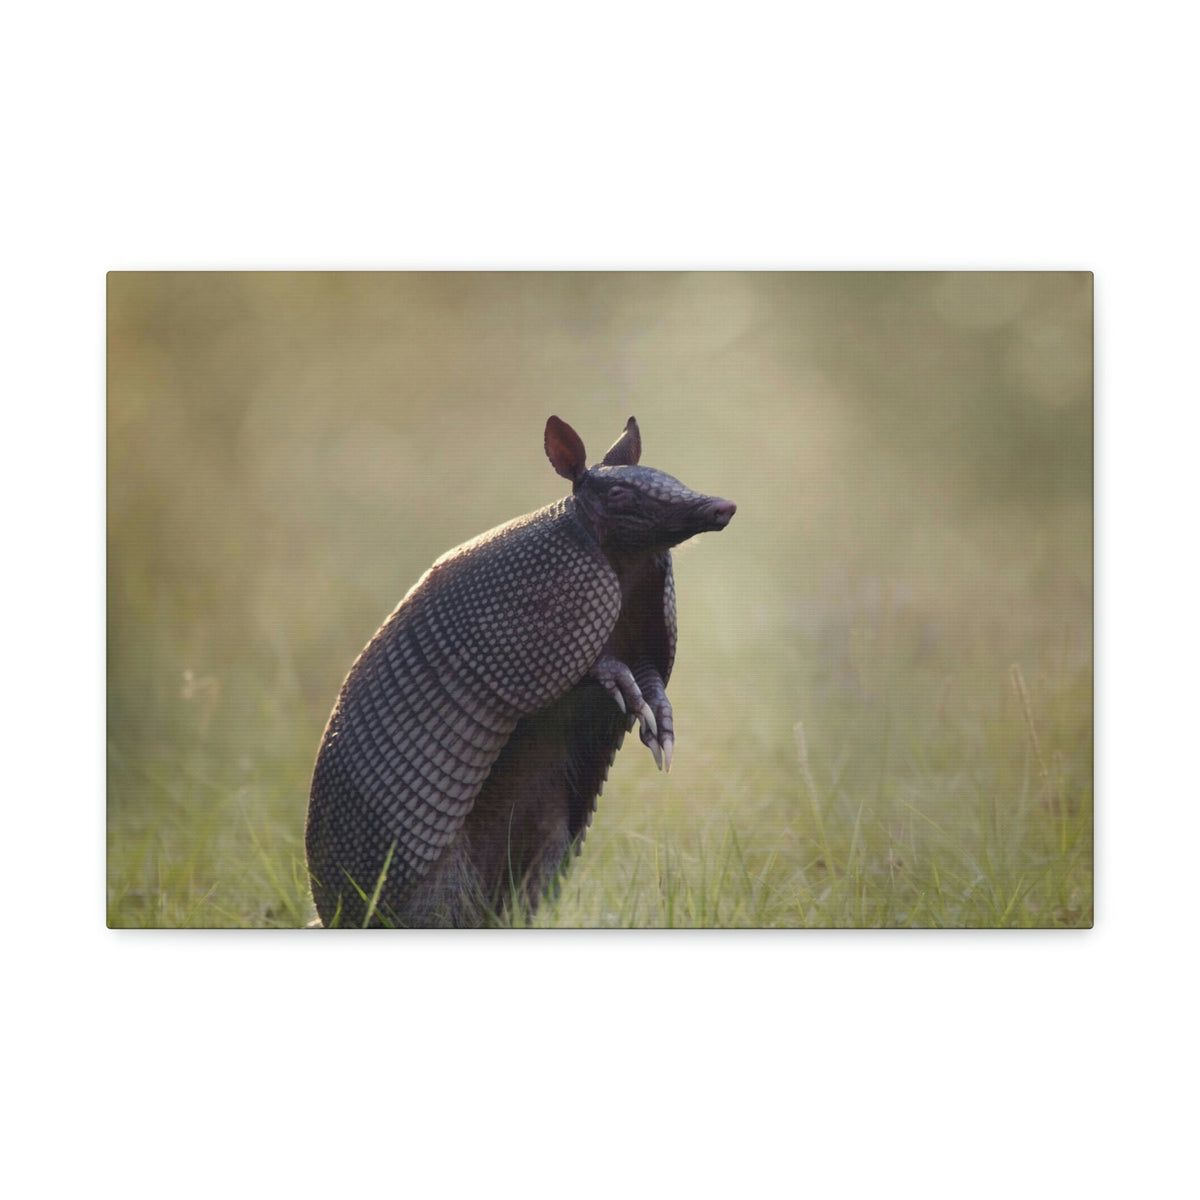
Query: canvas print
[600, 600]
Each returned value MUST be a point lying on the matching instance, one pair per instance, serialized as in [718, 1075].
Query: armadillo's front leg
[618, 680]
[654, 692]
[644, 698]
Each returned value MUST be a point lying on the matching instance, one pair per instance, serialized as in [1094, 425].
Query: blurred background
[883, 690]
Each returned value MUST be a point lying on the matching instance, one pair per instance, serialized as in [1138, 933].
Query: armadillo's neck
[588, 520]
[626, 561]
[587, 516]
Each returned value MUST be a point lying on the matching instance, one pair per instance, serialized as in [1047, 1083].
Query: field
[883, 691]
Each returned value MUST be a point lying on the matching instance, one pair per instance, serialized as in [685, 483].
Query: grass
[925, 848]
[915, 796]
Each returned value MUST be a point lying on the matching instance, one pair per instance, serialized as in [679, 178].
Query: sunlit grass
[925, 848]
[932, 818]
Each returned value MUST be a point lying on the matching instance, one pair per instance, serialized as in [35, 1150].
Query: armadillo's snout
[720, 512]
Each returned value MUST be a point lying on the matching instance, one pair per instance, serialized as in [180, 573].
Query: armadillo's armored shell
[496, 629]
[670, 621]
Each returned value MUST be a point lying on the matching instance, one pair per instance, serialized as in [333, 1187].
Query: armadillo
[463, 759]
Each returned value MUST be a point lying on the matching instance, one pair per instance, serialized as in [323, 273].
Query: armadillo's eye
[620, 497]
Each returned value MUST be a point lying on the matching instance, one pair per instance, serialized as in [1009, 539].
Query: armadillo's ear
[564, 449]
[627, 449]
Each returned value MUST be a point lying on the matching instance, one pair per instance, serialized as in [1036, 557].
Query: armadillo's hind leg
[660, 740]
[620, 684]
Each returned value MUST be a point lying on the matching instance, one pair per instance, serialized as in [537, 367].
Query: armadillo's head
[626, 506]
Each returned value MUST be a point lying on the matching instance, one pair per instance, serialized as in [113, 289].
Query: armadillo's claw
[668, 750]
[646, 713]
[619, 683]
[655, 744]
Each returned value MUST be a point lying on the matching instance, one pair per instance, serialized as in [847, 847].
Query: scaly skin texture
[471, 738]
